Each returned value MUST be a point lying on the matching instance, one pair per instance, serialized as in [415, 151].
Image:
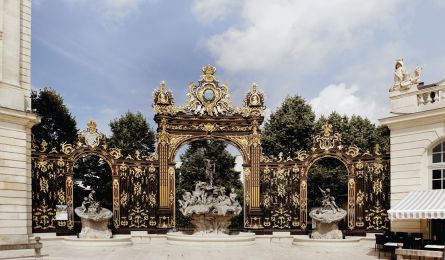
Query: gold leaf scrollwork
[327, 139]
[44, 217]
[137, 217]
[61, 196]
[152, 200]
[267, 200]
[60, 162]
[116, 153]
[67, 148]
[137, 189]
[163, 135]
[124, 199]
[353, 151]
[302, 155]
[281, 218]
[360, 199]
[377, 218]
[43, 184]
[281, 190]
[43, 146]
[137, 171]
[295, 199]
[91, 136]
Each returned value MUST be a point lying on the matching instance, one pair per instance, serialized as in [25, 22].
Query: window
[438, 171]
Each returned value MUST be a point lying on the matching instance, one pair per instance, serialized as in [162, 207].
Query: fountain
[211, 212]
[94, 220]
[326, 220]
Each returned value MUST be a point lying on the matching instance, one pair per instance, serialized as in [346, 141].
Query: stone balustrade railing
[418, 98]
[430, 95]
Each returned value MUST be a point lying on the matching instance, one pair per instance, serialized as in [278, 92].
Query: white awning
[420, 205]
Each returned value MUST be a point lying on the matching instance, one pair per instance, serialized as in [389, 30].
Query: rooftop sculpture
[404, 80]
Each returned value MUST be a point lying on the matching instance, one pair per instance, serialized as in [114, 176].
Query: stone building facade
[417, 127]
[16, 120]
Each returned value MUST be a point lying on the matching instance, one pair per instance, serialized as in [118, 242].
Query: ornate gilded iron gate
[143, 186]
[134, 183]
[284, 184]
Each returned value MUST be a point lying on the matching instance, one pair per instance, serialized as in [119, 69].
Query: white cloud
[344, 100]
[297, 33]
[112, 10]
[212, 10]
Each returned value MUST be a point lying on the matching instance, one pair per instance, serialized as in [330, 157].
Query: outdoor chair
[417, 240]
[379, 242]
[408, 242]
[389, 234]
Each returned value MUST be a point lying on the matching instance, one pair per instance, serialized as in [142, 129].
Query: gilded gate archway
[208, 113]
[275, 188]
[284, 184]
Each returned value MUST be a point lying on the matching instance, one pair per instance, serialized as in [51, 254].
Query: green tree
[57, 125]
[132, 132]
[192, 170]
[289, 128]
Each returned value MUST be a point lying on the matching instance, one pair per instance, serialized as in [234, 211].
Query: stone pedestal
[327, 231]
[210, 223]
[326, 221]
[95, 224]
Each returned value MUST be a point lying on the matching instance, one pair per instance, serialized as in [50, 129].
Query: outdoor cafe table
[437, 247]
[393, 245]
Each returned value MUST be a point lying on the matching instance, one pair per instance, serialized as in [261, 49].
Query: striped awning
[420, 205]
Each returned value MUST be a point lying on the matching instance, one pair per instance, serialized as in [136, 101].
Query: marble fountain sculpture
[209, 208]
[94, 218]
[327, 217]
[211, 211]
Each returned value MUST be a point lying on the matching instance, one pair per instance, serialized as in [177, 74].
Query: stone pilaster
[16, 120]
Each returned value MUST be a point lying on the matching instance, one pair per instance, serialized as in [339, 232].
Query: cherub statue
[85, 205]
[233, 196]
[328, 201]
[186, 199]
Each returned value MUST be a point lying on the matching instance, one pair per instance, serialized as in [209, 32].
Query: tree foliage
[132, 132]
[57, 125]
[289, 128]
[192, 170]
[356, 130]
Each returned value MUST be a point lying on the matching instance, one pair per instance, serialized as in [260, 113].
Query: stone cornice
[414, 119]
[18, 117]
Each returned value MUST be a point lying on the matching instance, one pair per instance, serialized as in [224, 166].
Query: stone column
[16, 120]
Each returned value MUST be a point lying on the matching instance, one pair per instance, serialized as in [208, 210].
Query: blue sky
[106, 57]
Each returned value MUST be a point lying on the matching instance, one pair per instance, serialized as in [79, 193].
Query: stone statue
[326, 217]
[94, 218]
[209, 170]
[209, 208]
[402, 79]
[328, 201]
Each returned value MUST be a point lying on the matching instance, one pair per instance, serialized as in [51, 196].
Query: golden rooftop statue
[208, 98]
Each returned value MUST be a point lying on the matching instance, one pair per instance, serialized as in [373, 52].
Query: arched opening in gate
[92, 172]
[328, 173]
[194, 160]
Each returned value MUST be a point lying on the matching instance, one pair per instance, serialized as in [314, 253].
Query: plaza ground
[264, 248]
